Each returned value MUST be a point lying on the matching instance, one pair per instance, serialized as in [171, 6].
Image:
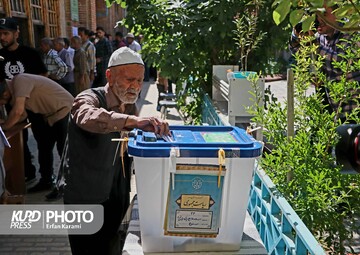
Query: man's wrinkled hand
[153, 124]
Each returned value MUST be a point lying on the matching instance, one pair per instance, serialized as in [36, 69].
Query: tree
[184, 38]
[305, 11]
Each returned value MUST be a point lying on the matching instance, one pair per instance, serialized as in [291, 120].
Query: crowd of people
[76, 64]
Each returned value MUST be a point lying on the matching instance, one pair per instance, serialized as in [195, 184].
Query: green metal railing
[279, 227]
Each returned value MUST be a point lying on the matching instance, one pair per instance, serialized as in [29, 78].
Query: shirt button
[115, 128]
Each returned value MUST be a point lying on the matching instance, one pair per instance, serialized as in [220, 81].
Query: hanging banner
[74, 9]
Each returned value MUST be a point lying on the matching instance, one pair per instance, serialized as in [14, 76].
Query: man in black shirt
[103, 53]
[19, 59]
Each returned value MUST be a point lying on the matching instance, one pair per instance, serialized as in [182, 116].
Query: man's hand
[150, 124]
[53, 76]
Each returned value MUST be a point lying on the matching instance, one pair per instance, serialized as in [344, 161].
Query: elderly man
[47, 106]
[81, 74]
[96, 175]
[132, 44]
[90, 50]
[67, 82]
[57, 69]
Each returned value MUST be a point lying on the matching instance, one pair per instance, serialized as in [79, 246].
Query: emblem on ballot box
[194, 201]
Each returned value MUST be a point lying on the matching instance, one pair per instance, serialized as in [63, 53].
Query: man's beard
[123, 95]
[9, 45]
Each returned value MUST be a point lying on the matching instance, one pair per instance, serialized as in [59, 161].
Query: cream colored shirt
[43, 96]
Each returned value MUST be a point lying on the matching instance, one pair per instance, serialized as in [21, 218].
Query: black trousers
[46, 137]
[102, 241]
[29, 168]
[107, 239]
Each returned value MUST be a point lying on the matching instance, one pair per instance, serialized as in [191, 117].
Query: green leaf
[317, 3]
[108, 3]
[343, 11]
[308, 22]
[281, 12]
[295, 17]
[123, 5]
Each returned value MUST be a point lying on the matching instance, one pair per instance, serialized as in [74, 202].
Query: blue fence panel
[280, 228]
[209, 114]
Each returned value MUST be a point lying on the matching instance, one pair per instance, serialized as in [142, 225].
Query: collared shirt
[68, 59]
[88, 115]
[90, 51]
[103, 50]
[135, 46]
[330, 50]
[54, 64]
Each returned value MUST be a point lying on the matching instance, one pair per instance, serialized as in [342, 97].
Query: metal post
[290, 112]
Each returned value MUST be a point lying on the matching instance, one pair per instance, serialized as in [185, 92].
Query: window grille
[53, 18]
[36, 10]
[17, 6]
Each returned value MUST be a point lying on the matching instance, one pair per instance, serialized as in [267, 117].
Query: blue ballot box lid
[196, 141]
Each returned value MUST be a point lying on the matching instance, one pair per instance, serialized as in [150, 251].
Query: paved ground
[59, 245]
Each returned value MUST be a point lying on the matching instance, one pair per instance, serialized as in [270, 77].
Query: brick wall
[107, 17]
[93, 13]
[87, 14]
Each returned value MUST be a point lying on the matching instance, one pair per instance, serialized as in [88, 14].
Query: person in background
[42, 97]
[132, 44]
[81, 74]
[57, 69]
[90, 51]
[109, 37]
[19, 59]
[67, 46]
[328, 40]
[68, 81]
[119, 41]
[92, 37]
[95, 176]
[103, 53]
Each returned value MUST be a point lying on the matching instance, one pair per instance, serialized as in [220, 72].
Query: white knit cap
[125, 56]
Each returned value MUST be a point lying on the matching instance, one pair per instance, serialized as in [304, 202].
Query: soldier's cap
[125, 56]
[8, 24]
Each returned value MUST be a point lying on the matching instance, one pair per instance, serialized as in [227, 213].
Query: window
[36, 10]
[53, 18]
[17, 6]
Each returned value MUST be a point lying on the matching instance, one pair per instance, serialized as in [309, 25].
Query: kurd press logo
[50, 219]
